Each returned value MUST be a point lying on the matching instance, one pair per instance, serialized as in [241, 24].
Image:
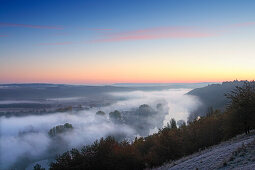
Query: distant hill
[44, 91]
[31, 91]
[165, 85]
[213, 96]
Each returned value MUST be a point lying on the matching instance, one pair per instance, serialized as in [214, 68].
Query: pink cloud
[155, 33]
[30, 26]
[168, 33]
[149, 30]
[57, 43]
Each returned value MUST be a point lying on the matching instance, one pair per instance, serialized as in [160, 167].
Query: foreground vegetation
[169, 143]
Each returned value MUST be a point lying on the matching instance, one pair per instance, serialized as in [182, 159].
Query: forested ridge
[213, 96]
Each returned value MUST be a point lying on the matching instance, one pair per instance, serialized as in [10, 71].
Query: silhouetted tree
[242, 106]
[173, 124]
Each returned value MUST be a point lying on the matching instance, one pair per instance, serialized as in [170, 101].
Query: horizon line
[45, 83]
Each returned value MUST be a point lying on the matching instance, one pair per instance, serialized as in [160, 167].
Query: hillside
[212, 96]
[238, 152]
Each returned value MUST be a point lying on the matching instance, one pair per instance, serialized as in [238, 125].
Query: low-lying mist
[25, 139]
[180, 105]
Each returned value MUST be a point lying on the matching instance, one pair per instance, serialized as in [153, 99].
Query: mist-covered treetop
[60, 129]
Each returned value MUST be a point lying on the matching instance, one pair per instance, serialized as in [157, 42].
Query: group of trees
[171, 142]
[60, 129]
[141, 119]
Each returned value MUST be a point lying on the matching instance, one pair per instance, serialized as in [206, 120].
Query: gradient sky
[145, 41]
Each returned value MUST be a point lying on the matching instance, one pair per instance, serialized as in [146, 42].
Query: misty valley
[40, 121]
[45, 125]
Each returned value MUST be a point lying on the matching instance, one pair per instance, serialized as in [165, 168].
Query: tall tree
[242, 106]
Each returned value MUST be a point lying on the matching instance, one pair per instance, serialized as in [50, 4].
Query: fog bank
[25, 139]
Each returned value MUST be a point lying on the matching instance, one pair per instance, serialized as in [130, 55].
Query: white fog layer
[25, 139]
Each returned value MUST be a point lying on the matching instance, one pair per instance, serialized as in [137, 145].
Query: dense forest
[171, 142]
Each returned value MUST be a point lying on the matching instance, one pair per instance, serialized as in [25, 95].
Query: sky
[117, 41]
